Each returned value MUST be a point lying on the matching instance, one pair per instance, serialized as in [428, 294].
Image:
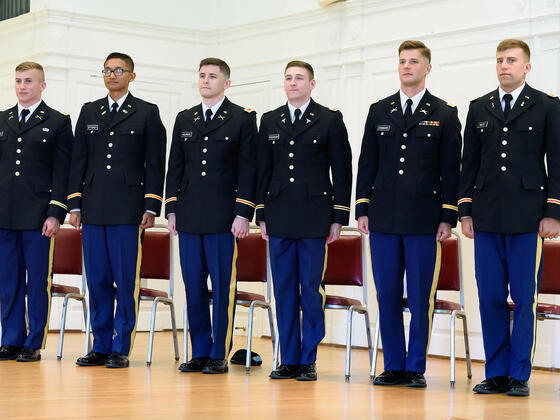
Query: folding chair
[450, 279]
[252, 266]
[68, 261]
[346, 266]
[550, 281]
[157, 263]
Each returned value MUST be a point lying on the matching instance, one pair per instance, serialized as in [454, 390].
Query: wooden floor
[54, 389]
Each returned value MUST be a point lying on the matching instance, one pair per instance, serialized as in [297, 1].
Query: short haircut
[31, 65]
[416, 45]
[124, 57]
[298, 63]
[212, 61]
[510, 43]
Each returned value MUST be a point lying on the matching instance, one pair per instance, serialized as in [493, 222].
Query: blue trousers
[298, 267]
[501, 260]
[24, 251]
[201, 255]
[112, 257]
[420, 256]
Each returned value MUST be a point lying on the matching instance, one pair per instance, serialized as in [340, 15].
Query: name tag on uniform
[482, 124]
[386, 127]
[273, 137]
[186, 134]
[92, 127]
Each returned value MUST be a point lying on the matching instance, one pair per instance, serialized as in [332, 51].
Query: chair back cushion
[68, 252]
[550, 282]
[251, 258]
[449, 276]
[344, 263]
[155, 255]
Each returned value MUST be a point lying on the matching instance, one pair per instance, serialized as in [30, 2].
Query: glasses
[117, 72]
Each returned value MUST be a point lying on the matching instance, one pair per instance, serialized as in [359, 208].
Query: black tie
[24, 113]
[507, 107]
[114, 109]
[297, 114]
[208, 116]
[408, 111]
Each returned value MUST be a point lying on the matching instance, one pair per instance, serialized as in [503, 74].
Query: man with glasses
[35, 148]
[115, 189]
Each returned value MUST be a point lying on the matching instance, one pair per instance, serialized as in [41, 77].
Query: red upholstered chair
[450, 279]
[550, 281]
[157, 264]
[346, 266]
[252, 267]
[68, 261]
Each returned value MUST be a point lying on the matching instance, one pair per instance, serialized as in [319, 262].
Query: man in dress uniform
[406, 199]
[115, 188]
[301, 211]
[210, 195]
[509, 203]
[35, 149]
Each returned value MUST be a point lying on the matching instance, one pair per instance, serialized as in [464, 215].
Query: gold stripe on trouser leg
[321, 285]
[136, 289]
[435, 280]
[49, 286]
[537, 266]
[231, 306]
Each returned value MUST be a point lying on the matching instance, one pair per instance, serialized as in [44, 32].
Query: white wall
[352, 46]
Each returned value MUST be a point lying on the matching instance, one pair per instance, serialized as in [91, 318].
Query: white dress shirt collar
[415, 100]
[515, 94]
[119, 102]
[301, 108]
[31, 109]
[214, 109]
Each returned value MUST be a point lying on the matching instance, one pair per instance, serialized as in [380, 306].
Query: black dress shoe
[117, 360]
[93, 358]
[8, 352]
[495, 385]
[194, 365]
[517, 388]
[414, 380]
[28, 354]
[285, 372]
[390, 377]
[215, 366]
[307, 373]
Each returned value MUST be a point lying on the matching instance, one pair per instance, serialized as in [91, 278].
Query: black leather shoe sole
[307, 377]
[215, 370]
[191, 366]
[518, 392]
[388, 378]
[28, 358]
[85, 361]
[117, 363]
[277, 375]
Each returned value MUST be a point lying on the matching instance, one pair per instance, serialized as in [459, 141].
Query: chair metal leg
[152, 328]
[368, 335]
[467, 349]
[85, 311]
[249, 337]
[348, 342]
[62, 326]
[276, 350]
[185, 335]
[174, 329]
[375, 349]
[88, 329]
[452, 349]
[273, 334]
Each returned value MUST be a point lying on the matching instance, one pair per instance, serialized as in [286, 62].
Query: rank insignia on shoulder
[63, 113]
[552, 95]
[374, 102]
[451, 105]
[474, 99]
[248, 110]
[333, 109]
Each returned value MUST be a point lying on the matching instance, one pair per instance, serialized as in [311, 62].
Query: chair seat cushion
[247, 296]
[542, 308]
[153, 293]
[63, 289]
[342, 301]
[442, 305]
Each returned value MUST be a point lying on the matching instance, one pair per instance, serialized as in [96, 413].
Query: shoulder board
[450, 105]
[333, 109]
[89, 102]
[475, 99]
[552, 95]
[249, 110]
[374, 102]
[63, 113]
